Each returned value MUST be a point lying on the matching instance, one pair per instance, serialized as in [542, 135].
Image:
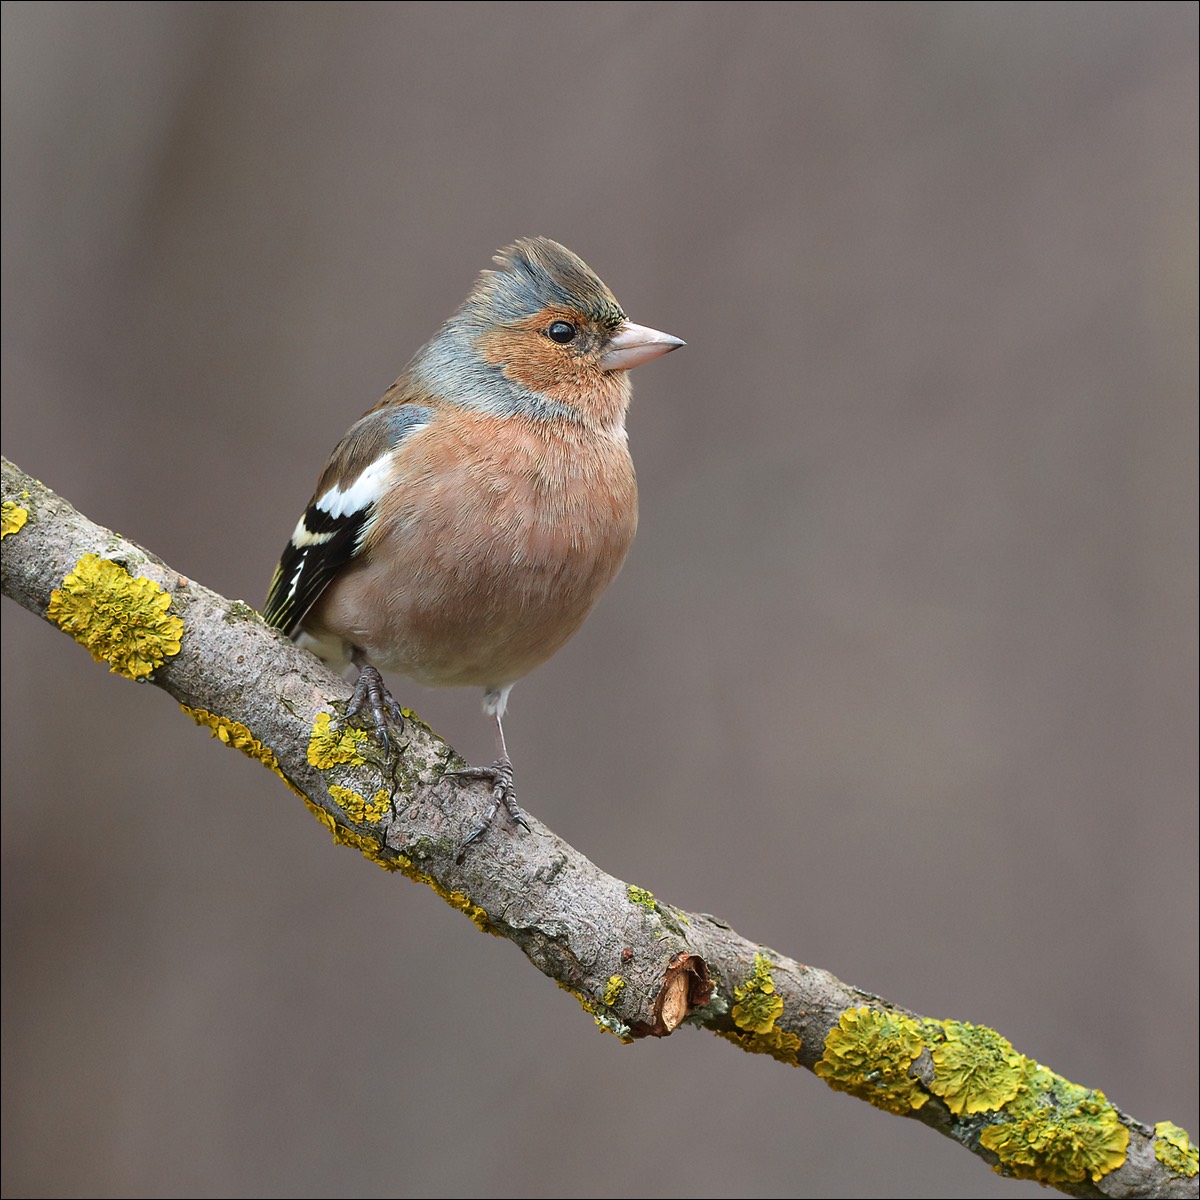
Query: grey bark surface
[575, 923]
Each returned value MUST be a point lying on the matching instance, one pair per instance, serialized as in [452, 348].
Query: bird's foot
[370, 693]
[500, 776]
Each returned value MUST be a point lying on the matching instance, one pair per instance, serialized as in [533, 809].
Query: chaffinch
[464, 527]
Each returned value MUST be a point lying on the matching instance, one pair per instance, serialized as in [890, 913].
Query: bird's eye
[561, 332]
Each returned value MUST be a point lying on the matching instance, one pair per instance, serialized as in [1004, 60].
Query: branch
[639, 966]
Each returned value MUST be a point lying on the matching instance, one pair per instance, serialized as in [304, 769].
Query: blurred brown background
[899, 677]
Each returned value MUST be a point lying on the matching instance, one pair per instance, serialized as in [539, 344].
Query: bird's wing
[341, 512]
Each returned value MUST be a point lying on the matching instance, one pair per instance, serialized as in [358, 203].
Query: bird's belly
[482, 602]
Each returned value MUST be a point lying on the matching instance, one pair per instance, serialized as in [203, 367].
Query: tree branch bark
[639, 966]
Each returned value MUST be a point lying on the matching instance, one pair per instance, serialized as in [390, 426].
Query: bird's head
[545, 335]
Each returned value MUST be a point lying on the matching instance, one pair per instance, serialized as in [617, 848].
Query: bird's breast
[492, 544]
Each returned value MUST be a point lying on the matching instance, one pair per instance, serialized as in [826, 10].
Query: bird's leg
[499, 774]
[370, 692]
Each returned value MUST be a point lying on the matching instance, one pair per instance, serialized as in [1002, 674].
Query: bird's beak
[633, 345]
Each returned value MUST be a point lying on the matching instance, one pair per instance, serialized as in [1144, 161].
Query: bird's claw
[500, 775]
[370, 693]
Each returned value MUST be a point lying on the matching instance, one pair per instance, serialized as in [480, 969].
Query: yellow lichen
[357, 807]
[642, 896]
[329, 747]
[121, 620]
[976, 1069]
[368, 847]
[333, 750]
[1173, 1148]
[756, 1007]
[1059, 1133]
[239, 737]
[613, 990]
[464, 904]
[12, 518]
[458, 900]
[321, 815]
[584, 1002]
[868, 1054]
[775, 1042]
[605, 1021]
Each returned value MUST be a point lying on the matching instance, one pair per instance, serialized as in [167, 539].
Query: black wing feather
[328, 542]
[305, 571]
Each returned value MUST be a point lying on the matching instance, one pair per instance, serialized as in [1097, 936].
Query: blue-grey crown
[536, 273]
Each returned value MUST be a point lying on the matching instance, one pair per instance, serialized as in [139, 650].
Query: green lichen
[12, 518]
[330, 747]
[868, 1054]
[121, 620]
[613, 990]
[976, 1069]
[1057, 1133]
[1173, 1148]
[673, 921]
[411, 718]
[717, 1006]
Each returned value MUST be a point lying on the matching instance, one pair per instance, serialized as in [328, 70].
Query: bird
[466, 525]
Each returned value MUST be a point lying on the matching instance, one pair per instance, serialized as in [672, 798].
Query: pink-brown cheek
[531, 361]
[526, 358]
